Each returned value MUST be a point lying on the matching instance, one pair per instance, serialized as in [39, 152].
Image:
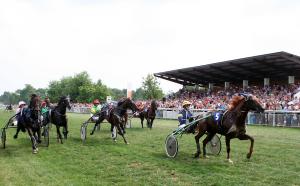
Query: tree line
[82, 89]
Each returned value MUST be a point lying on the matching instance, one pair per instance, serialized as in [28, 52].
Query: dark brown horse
[30, 119]
[149, 114]
[58, 117]
[117, 116]
[231, 124]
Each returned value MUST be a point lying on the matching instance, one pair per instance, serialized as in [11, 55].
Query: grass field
[100, 161]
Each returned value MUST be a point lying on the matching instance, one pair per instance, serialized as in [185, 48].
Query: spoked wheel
[214, 145]
[83, 133]
[3, 137]
[46, 135]
[171, 146]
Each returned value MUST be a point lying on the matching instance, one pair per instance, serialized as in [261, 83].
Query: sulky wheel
[46, 135]
[171, 146]
[214, 145]
[3, 137]
[83, 133]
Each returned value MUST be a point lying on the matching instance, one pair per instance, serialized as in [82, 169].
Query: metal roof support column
[245, 84]
[226, 85]
[210, 86]
[266, 81]
[291, 79]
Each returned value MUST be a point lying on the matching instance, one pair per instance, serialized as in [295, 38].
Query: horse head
[127, 104]
[153, 105]
[35, 102]
[252, 103]
[65, 102]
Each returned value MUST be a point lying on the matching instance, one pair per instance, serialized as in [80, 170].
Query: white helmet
[22, 103]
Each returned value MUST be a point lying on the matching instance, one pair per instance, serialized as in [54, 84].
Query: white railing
[269, 117]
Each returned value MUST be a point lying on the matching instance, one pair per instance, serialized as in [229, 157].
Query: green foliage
[139, 94]
[22, 94]
[151, 89]
[100, 161]
[9, 98]
[116, 94]
[79, 87]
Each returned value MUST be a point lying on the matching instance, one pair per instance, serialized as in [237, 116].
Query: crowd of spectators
[274, 97]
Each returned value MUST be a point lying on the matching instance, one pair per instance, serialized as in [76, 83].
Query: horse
[9, 108]
[58, 117]
[30, 119]
[149, 114]
[231, 123]
[117, 116]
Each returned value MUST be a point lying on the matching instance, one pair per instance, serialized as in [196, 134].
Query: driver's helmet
[44, 103]
[96, 101]
[186, 103]
[22, 103]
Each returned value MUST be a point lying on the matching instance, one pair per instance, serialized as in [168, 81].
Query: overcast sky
[122, 41]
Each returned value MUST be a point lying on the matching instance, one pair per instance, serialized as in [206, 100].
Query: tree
[26, 92]
[138, 94]
[151, 88]
[9, 98]
[116, 94]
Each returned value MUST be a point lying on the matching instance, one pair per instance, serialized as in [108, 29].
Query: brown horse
[117, 116]
[231, 123]
[149, 114]
[30, 119]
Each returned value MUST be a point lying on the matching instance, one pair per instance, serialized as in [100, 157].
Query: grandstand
[279, 67]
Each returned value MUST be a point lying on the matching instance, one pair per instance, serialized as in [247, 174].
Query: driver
[185, 114]
[96, 108]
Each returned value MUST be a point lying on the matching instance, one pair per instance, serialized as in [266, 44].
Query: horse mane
[234, 102]
[34, 101]
[122, 100]
[153, 104]
[62, 98]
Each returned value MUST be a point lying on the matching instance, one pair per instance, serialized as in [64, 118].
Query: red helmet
[96, 101]
[44, 104]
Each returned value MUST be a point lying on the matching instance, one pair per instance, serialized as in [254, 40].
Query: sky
[120, 42]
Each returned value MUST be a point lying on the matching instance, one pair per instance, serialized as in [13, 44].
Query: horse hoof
[34, 151]
[15, 136]
[127, 143]
[248, 156]
[206, 157]
[197, 155]
[230, 161]
[91, 133]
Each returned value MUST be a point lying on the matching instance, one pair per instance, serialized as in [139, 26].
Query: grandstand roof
[276, 66]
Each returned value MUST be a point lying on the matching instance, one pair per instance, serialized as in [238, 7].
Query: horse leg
[59, 137]
[197, 138]
[39, 136]
[33, 141]
[205, 141]
[96, 125]
[151, 123]
[142, 121]
[17, 133]
[148, 123]
[122, 134]
[246, 137]
[227, 140]
[65, 131]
